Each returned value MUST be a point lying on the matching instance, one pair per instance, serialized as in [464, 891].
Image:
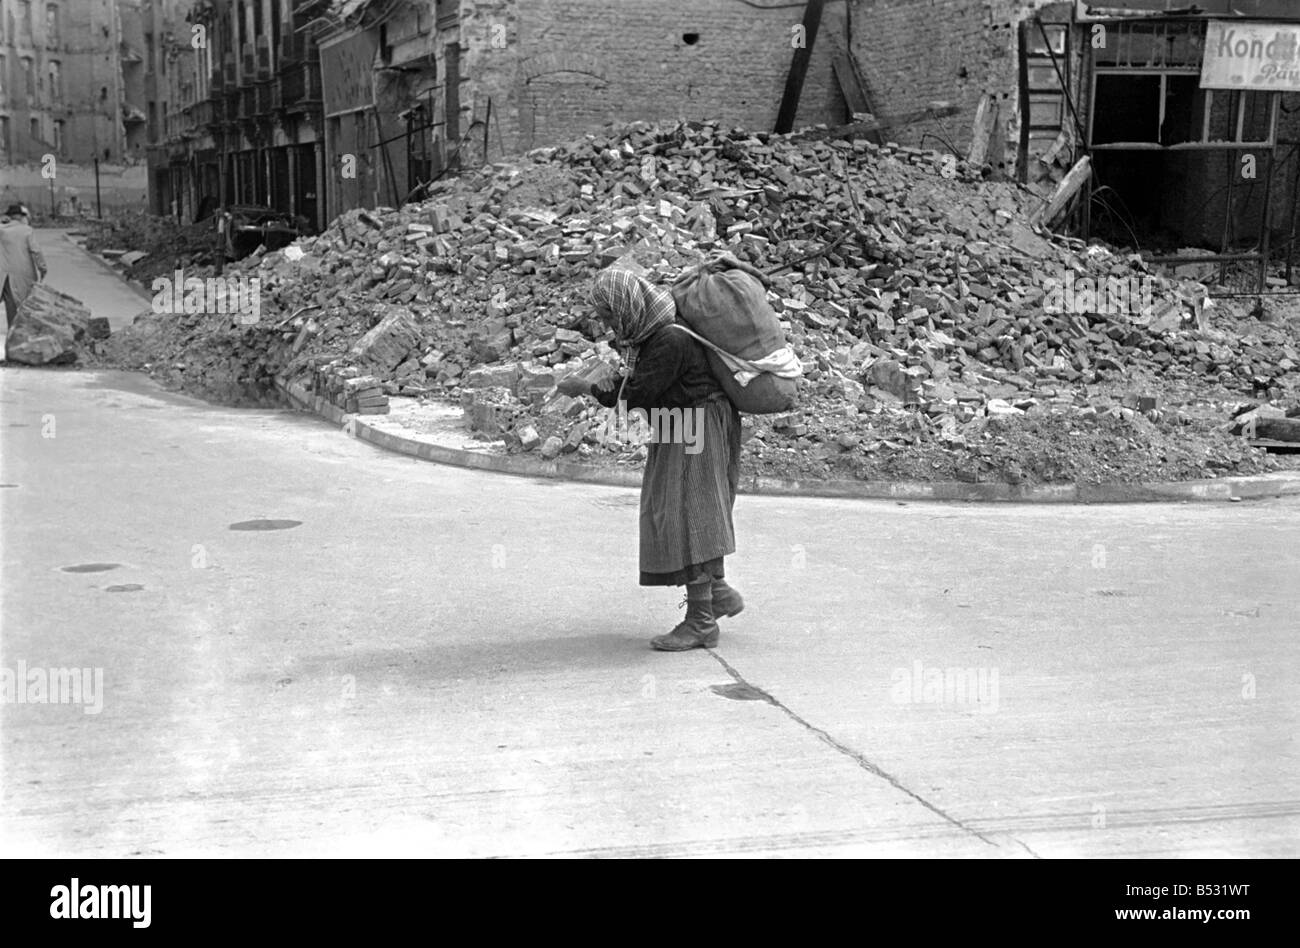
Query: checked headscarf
[638, 307]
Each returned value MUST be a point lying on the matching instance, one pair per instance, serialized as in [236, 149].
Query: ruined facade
[154, 37]
[249, 130]
[381, 93]
[61, 89]
[556, 69]
[452, 83]
[380, 96]
[318, 106]
[85, 87]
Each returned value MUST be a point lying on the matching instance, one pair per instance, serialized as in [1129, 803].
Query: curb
[1223, 489]
[118, 272]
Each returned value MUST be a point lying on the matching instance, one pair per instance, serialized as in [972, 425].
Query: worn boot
[697, 630]
[726, 601]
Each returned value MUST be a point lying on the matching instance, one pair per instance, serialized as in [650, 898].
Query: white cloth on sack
[783, 362]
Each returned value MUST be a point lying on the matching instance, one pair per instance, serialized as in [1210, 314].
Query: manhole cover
[265, 524]
[124, 588]
[739, 692]
[91, 567]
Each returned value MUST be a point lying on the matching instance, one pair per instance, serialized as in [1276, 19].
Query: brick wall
[72, 191]
[914, 51]
[569, 66]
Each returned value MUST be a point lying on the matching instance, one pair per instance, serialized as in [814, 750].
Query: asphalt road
[434, 661]
[77, 273]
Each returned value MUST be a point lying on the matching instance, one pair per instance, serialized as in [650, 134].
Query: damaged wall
[912, 52]
[405, 82]
[556, 69]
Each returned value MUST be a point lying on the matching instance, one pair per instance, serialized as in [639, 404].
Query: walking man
[21, 263]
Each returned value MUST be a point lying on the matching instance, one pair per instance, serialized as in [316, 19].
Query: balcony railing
[199, 115]
[301, 85]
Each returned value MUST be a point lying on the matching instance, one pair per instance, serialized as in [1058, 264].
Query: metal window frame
[1203, 143]
[1268, 146]
[1124, 27]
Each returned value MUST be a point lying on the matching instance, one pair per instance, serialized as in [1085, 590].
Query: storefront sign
[1260, 57]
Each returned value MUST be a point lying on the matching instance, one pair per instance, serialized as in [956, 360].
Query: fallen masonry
[922, 303]
[52, 328]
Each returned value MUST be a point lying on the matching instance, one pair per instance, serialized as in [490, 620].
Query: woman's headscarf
[639, 308]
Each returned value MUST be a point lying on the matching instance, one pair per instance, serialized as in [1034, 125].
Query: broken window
[1166, 153]
[1165, 45]
[1146, 92]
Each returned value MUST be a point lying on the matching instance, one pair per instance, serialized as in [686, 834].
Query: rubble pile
[53, 328]
[146, 246]
[918, 298]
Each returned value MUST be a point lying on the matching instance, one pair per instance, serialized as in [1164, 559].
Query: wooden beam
[812, 18]
[1065, 191]
[1277, 429]
[848, 82]
[986, 120]
[869, 128]
[853, 88]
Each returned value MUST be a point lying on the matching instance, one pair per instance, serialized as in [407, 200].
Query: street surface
[77, 273]
[432, 661]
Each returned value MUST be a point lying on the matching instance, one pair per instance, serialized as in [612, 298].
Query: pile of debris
[917, 297]
[53, 328]
[146, 247]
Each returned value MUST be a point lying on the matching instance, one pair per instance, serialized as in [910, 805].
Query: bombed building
[1185, 119]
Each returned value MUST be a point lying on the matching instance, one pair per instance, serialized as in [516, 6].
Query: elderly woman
[686, 496]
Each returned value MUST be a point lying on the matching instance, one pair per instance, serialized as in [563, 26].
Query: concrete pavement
[77, 273]
[443, 662]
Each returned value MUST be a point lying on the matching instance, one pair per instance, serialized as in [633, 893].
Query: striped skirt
[687, 499]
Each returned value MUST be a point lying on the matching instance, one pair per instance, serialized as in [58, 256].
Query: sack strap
[733, 362]
[782, 363]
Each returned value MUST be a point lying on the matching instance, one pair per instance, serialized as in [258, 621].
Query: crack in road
[858, 758]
